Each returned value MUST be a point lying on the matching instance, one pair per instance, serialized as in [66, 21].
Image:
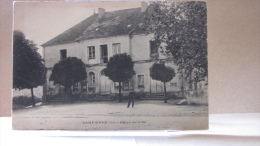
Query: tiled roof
[111, 24]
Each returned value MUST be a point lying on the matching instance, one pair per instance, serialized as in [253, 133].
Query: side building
[96, 39]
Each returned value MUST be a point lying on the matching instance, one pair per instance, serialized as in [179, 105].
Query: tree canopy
[180, 30]
[69, 71]
[120, 68]
[160, 72]
[28, 66]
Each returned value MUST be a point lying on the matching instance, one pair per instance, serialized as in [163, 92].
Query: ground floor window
[76, 87]
[140, 81]
[83, 86]
[92, 79]
[127, 85]
[174, 81]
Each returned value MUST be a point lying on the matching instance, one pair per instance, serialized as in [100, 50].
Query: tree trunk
[190, 83]
[120, 99]
[70, 95]
[33, 102]
[165, 100]
[195, 85]
[67, 90]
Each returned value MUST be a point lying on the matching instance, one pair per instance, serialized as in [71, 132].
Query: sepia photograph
[110, 66]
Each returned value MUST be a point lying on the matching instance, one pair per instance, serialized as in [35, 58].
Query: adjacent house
[96, 39]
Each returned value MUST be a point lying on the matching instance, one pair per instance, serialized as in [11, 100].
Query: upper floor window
[91, 52]
[116, 48]
[153, 50]
[153, 47]
[63, 54]
[103, 54]
[92, 79]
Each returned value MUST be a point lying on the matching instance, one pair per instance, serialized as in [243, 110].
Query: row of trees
[29, 71]
[120, 68]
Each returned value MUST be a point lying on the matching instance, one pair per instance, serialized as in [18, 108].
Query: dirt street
[146, 115]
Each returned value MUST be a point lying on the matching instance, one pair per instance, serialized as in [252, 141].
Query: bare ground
[146, 115]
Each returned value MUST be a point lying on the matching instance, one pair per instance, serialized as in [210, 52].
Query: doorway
[105, 87]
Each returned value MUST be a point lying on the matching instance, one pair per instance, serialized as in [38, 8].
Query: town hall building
[100, 36]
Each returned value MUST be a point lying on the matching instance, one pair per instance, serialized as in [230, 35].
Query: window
[63, 54]
[116, 48]
[83, 86]
[76, 87]
[153, 50]
[153, 47]
[91, 52]
[92, 79]
[103, 54]
[128, 85]
[173, 82]
[116, 85]
[140, 81]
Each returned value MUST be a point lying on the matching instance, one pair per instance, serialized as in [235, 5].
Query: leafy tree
[120, 68]
[28, 66]
[180, 30]
[160, 72]
[68, 72]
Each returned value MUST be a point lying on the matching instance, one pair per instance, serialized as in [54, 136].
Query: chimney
[101, 12]
[144, 6]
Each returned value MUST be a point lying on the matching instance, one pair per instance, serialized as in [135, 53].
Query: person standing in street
[131, 99]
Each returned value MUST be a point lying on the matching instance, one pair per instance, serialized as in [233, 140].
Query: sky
[42, 21]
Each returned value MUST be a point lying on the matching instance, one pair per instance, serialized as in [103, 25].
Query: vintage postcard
[105, 66]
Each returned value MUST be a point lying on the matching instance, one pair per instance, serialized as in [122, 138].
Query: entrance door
[156, 87]
[105, 86]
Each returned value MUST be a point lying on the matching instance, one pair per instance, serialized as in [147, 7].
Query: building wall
[80, 49]
[123, 40]
[138, 46]
[52, 53]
